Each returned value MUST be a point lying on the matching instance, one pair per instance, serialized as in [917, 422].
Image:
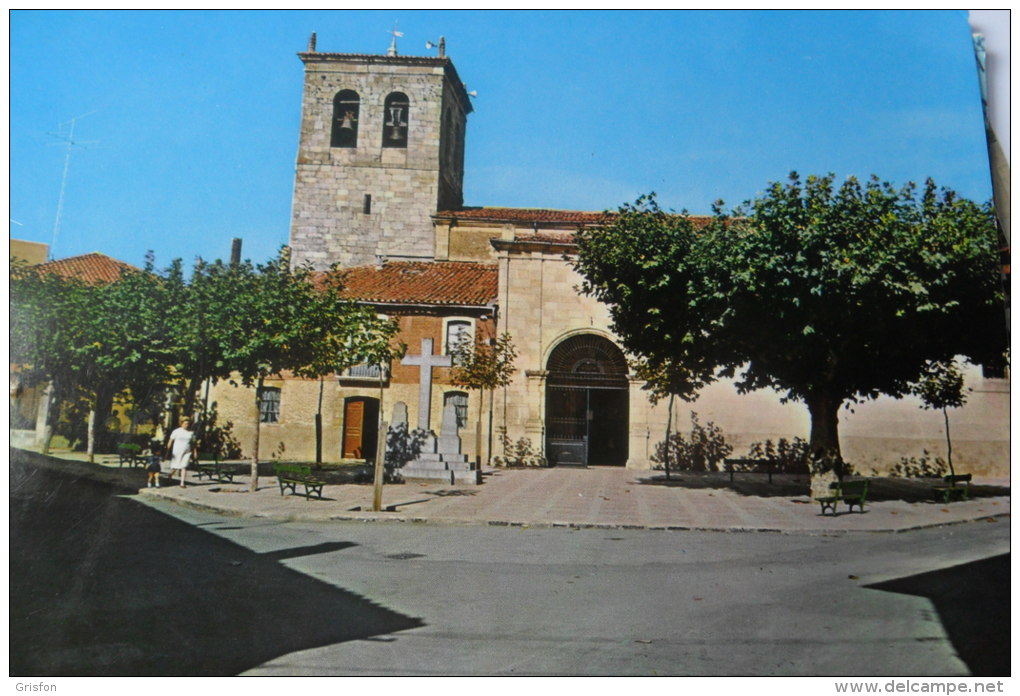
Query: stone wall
[329, 223]
[540, 308]
[299, 400]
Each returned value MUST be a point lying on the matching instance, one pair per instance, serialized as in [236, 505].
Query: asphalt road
[104, 584]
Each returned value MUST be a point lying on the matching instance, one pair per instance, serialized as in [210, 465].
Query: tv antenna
[70, 143]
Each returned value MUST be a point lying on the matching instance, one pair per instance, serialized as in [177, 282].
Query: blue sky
[196, 114]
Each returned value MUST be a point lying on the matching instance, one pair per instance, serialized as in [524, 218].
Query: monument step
[441, 457]
[471, 478]
[427, 468]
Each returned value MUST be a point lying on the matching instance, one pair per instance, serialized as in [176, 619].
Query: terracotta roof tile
[539, 216]
[91, 268]
[420, 282]
[524, 215]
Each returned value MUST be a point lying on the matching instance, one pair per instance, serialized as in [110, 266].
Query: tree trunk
[318, 425]
[51, 408]
[190, 390]
[380, 458]
[101, 406]
[826, 459]
[380, 466]
[949, 443]
[478, 430]
[488, 447]
[254, 485]
[669, 424]
[90, 448]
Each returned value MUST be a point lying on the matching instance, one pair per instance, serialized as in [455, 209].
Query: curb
[453, 522]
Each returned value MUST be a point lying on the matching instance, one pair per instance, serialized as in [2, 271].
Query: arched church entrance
[586, 403]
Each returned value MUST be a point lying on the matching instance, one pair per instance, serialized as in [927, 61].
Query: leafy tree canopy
[479, 364]
[825, 293]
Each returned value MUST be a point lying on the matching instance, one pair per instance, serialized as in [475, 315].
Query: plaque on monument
[449, 441]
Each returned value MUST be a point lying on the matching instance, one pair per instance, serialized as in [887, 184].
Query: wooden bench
[293, 475]
[952, 490]
[750, 466]
[850, 492]
[209, 464]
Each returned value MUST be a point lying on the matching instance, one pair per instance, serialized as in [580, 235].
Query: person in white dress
[182, 448]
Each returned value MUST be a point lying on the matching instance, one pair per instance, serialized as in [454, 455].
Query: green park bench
[749, 466]
[130, 454]
[952, 490]
[850, 492]
[293, 475]
[209, 465]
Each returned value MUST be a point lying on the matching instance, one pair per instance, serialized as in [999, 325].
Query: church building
[378, 189]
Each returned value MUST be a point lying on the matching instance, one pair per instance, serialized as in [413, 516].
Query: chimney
[311, 43]
[235, 246]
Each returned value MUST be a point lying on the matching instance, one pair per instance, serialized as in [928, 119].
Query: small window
[395, 120]
[365, 371]
[994, 371]
[366, 206]
[269, 405]
[460, 402]
[346, 106]
[457, 330]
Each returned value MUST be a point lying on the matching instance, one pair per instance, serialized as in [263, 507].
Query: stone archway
[587, 403]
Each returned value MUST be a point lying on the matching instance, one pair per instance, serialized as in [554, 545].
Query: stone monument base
[440, 458]
[447, 468]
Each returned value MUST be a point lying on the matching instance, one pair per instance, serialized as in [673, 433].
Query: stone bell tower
[381, 150]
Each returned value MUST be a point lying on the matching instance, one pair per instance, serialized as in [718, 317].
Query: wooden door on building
[361, 428]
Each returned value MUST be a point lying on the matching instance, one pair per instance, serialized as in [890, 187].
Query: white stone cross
[426, 361]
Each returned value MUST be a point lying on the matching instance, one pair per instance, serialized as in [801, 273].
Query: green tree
[374, 343]
[349, 334]
[49, 330]
[199, 312]
[666, 379]
[264, 333]
[826, 294]
[941, 387]
[135, 344]
[479, 364]
[285, 319]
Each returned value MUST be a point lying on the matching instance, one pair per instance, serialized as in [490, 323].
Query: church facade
[379, 190]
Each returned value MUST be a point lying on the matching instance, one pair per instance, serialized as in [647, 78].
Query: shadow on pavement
[881, 488]
[783, 485]
[447, 493]
[973, 603]
[102, 585]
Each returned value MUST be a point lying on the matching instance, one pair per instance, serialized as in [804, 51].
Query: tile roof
[421, 282]
[91, 268]
[524, 215]
[540, 216]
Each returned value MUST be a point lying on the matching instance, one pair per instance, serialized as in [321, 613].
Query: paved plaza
[595, 497]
